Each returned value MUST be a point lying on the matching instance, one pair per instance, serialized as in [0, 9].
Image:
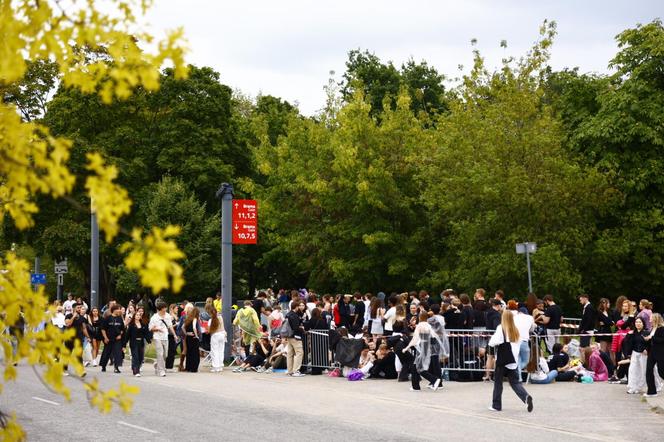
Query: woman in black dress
[192, 336]
[96, 338]
[172, 344]
[604, 323]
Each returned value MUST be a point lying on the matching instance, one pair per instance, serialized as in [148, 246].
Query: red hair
[512, 305]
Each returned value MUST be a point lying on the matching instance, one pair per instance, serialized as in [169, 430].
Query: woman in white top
[217, 339]
[376, 313]
[508, 332]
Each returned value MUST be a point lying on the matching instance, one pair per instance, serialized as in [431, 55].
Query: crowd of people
[407, 337]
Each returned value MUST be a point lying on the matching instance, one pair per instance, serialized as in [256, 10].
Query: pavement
[274, 407]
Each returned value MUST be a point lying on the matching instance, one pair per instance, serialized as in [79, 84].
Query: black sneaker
[529, 402]
[103, 369]
[116, 370]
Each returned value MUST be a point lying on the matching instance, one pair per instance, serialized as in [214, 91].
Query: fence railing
[468, 358]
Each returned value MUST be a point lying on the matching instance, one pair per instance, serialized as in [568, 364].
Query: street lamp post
[225, 192]
[527, 248]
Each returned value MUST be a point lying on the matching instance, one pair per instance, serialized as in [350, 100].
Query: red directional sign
[245, 222]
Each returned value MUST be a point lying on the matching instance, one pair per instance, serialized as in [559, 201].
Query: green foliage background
[404, 180]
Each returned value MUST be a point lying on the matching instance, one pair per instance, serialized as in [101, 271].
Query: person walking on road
[112, 331]
[294, 342]
[421, 345]
[506, 365]
[160, 325]
[137, 333]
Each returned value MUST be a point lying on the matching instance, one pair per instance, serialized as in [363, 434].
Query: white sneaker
[162, 374]
[297, 374]
[138, 375]
[416, 391]
[436, 385]
[492, 409]
[650, 395]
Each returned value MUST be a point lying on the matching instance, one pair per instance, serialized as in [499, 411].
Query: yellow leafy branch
[154, 258]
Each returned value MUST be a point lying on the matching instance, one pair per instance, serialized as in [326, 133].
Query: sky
[288, 48]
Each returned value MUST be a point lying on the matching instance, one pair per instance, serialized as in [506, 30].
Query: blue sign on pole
[37, 278]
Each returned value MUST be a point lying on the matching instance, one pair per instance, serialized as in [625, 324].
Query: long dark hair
[214, 319]
[376, 303]
[315, 314]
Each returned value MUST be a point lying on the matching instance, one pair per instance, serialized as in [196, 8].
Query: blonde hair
[656, 321]
[509, 327]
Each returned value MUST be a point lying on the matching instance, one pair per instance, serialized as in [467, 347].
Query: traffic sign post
[38, 279]
[245, 222]
[60, 269]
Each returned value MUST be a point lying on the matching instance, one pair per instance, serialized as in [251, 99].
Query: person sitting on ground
[277, 358]
[595, 364]
[262, 351]
[383, 363]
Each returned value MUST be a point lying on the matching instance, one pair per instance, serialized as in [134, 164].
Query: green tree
[341, 198]
[501, 175]
[619, 128]
[379, 81]
[170, 201]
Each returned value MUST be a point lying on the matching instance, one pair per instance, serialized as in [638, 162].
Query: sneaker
[650, 395]
[103, 369]
[436, 385]
[412, 389]
[623, 382]
[86, 363]
[614, 379]
[138, 375]
[269, 370]
[254, 369]
[117, 370]
[297, 374]
[236, 370]
[260, 370]
[529, 404]
[632, 392]
[162, 374]
[493, 409]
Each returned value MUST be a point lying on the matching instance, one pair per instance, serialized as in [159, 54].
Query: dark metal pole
[94, 261]
[225, 192]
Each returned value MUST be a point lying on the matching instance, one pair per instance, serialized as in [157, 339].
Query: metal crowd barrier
[316, 344]
[466, 362]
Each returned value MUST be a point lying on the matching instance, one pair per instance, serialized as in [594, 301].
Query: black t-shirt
[554, 313]
[114, 326]
[76, 324]
[558, 361]
[479, 313]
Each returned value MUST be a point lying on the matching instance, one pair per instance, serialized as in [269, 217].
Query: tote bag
[504, 355]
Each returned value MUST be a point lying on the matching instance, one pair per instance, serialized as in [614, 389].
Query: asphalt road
[250, 406]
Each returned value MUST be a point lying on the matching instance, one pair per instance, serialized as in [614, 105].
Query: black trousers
[113, 348]
[137, 352]
[416, 376]
[650, 373]
[515, 383]
[406, 360]
[434, 367]
[172, 349]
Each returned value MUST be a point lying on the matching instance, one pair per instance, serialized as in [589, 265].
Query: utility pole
[37, 270]
[225, 192]
[94, 258]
